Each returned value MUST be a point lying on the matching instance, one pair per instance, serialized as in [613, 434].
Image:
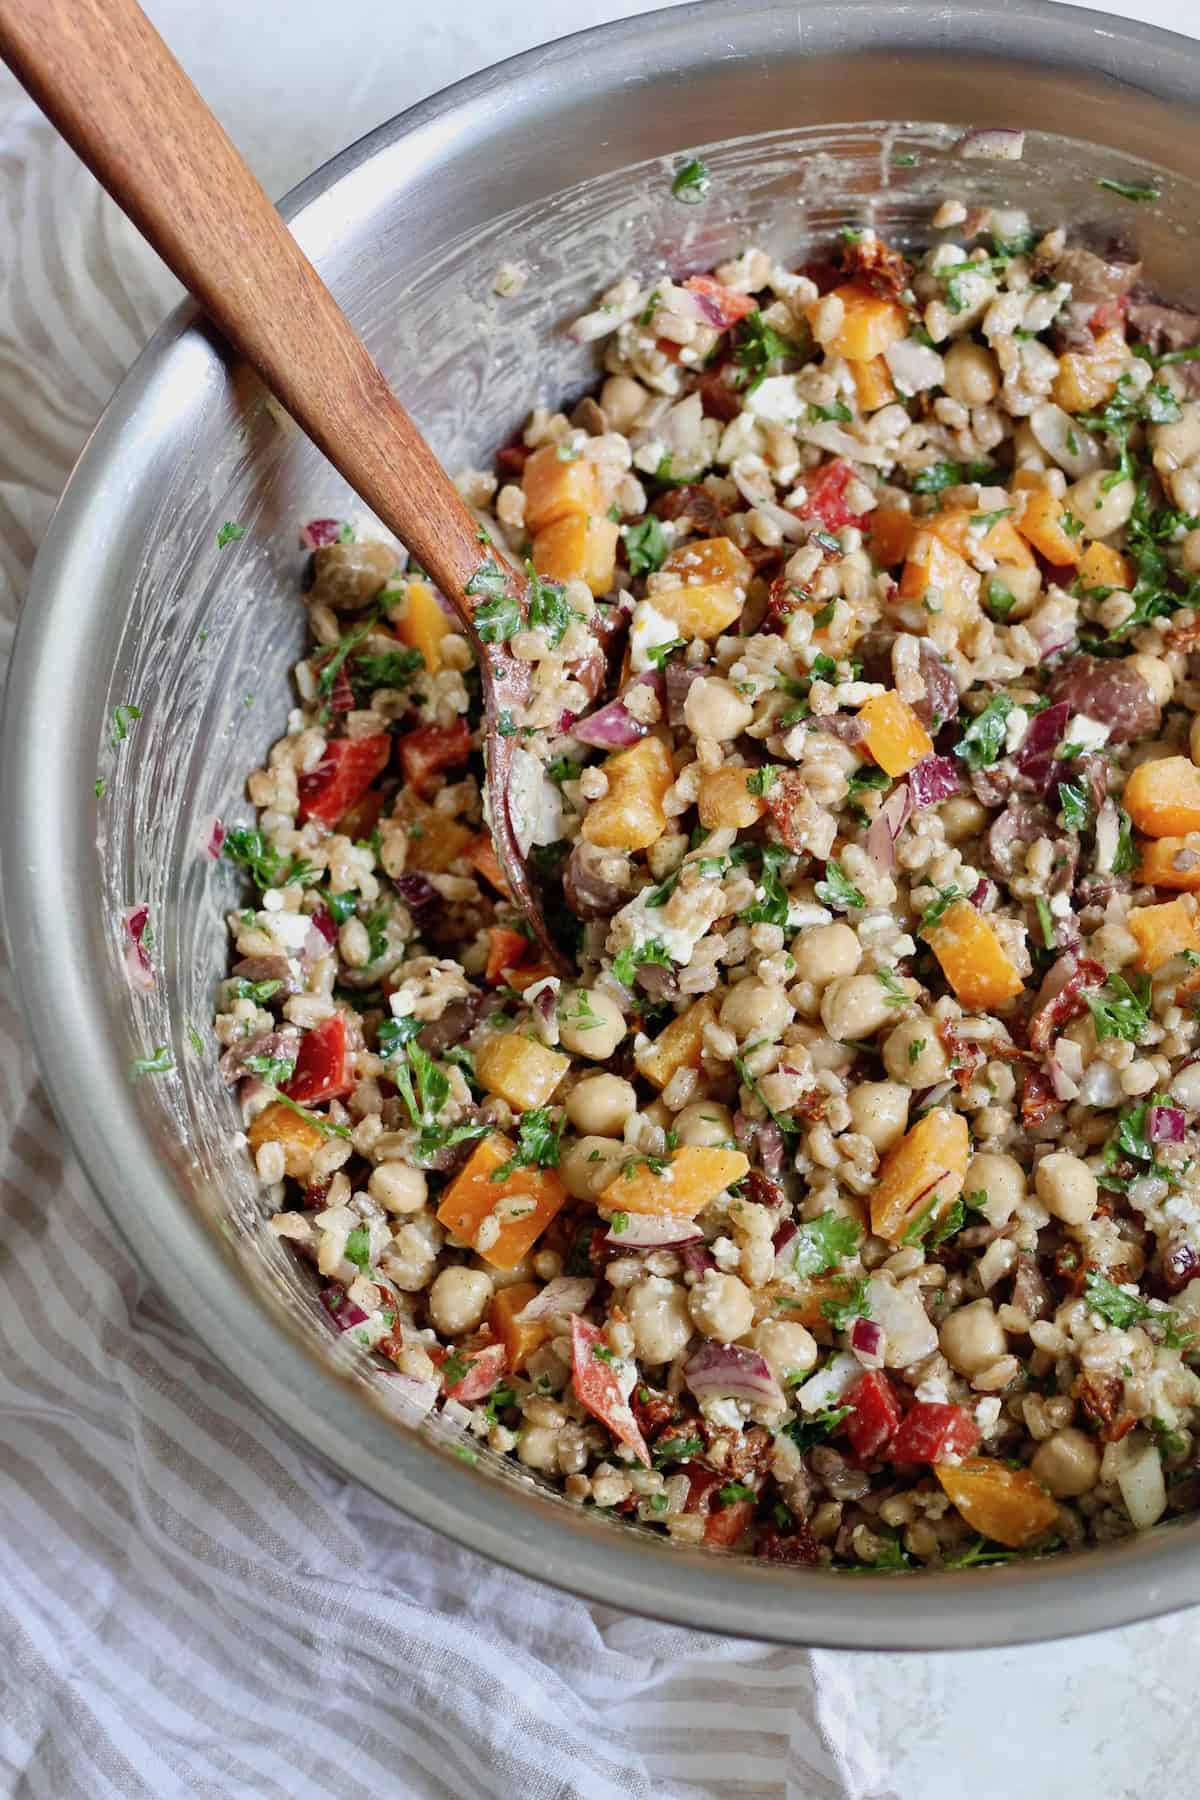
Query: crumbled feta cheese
[1089, 734]
[648, 629]
[288, 929]
[777, 401]
[722, 1412]
[1015, 729]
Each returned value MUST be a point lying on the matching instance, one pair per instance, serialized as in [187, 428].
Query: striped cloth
[190, 1606]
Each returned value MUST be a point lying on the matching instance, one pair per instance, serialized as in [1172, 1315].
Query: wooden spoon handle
[104, 76]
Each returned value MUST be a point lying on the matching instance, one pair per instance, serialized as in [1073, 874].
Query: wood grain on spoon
[102, 74]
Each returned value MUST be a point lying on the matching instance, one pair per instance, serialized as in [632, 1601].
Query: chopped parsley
[195, 1040]
[564, 768]
[1128, 190]
[1119, 1010]
[786, 1125]
[822, 1243]
[896, 996]
[805, 1432]
[272, 1069]
[391, 669]
[949, 1226]
[998, 599]
[357, 1249]
[1073, 801]
[837, 414]
[161, 1063]
[627, 962]
[538, 1136]
[734, 1491]
[676, 1449]
[325, 1126]
[229, 534]
[854, 1304]
[646, 546]
[101, 784]
[264, 864]
[1125, 856]
[936, 911]
[1045, 920]
[762, 780]
[549, 610]
[1122, 1309]
[658, 654]
[498, 616]
[772, 909]
[982, 742]
[692, 180]
[835, 890]
[758, 347]
[123, 717]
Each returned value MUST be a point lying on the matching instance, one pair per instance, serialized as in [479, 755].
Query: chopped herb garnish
[855, 1304]
[1128, 190]
[1045, 920]
[646, 546]
[692, 180]
[1122, 1309]
[123, 717]
[1073, 800]
[161, 1063]
[549, 610]
[839, 413]
[264, 864]
[934, 913]
[761, 781]
[229, 534]
[677, 1449]
[772, 909]
[538, 1136]
[805, 1432]
[835, 890]
[823, 1243]
[564, 768]
[896, 995]
[759, 346]
[627, 962]
[1119, 1010]
[983, 740]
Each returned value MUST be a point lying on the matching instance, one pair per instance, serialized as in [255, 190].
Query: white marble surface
[1113, 1715]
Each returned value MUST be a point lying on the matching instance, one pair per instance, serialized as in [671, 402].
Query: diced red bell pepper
[720, 306]
[874, 1414]
[322, 1069]
[512, 458]
[598, 1389]
[424, 753]
[1109, 315]
[825, 275]
[827, 497]
[342, 776]
[323, 920]
[483, 1369]
[932, 1430]
[728, 1525]
[505, 950]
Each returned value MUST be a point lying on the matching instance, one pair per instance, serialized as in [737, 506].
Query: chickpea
[658, 1317]
[1068, 1463]
[1001, 1181]
[823, 952]
[600, 1105]
[972, 374]
[755, 1009]
[706, 1123]
[972, 1338]
[1066, 1187]
[1101, 509]
[590, 1164]
[590, 1023]
[622, 399]
[537, 1447]
[962, 818]
[721, 1307]
[348, 576]
[787, 1347]
[714, 708]
[458, 1299]
[398, 1187]
[855, 1006]
[879, 1111]
[913, 1053]
[1156, 673]
[1176, 443]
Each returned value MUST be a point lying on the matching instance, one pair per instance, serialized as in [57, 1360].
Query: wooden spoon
[106, 79]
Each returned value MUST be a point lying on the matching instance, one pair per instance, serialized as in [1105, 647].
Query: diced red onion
[323, 922]
[771, 1149]
[994, 144]
[613, 727]
[1035, 758]
[932, 1096]
[680, 677]
[933, 779]
[1165, 1124]
[565, 1294]
[730, 1372]
[138, 966]
[545, 1001]
[342, 1310]
[212, 837]
[319, 532]
[867, 1341]
[654, 1231]
[416, 891]
[698, 1259]
[886, 827]
[784, 1255]
[983, 895]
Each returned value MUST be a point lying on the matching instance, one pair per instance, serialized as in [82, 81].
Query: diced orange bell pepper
[555, 488]
[1010, 1506]
[940, 578]
[520, 1337]
[891, 532]
[973, 959]
[505, 949]
[1000, 542]
[896, 738]
[486, 863]
[873, 384]
[422, 625]
[300, 1138]
[523, 1203]
[631, 816]
[578, 547]
[525, 974]
[1043, 523]
[1170, 862]
[1163, 798]
[1162, 932]
[725, 799]
[692, 1179]
[435, 840]
[922, 1176]
[1087, 378]
[1102, 566]
[521, 1070]
[678, 1045]
[871, 322]
[713, 576]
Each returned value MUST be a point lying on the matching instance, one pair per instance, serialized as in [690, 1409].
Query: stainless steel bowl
[562, 159]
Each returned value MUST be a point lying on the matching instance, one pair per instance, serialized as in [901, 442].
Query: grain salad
[842, 1204]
